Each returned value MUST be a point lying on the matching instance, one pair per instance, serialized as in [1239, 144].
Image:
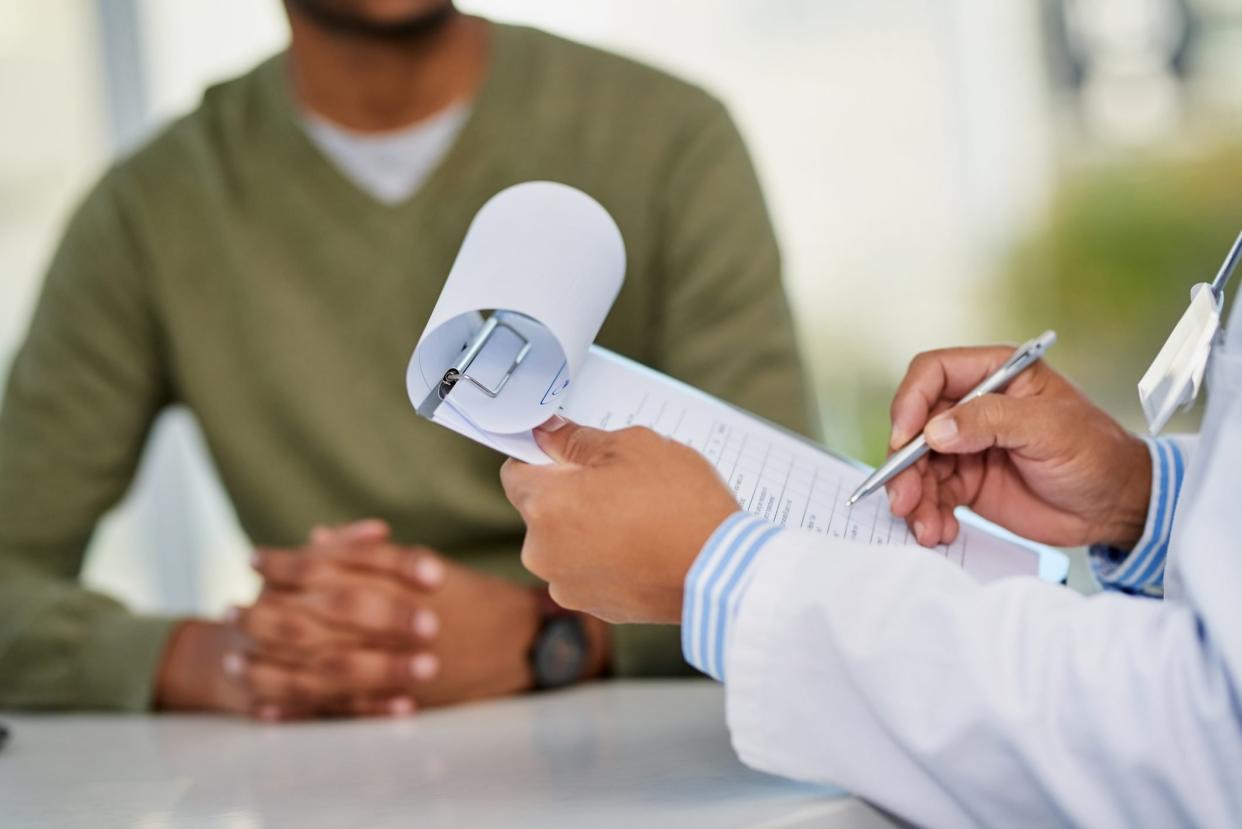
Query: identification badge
[1173, 381]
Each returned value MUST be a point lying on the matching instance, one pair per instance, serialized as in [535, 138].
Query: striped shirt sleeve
[714, 588]
[1141, 570]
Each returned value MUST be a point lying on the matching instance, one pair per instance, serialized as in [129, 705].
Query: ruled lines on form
[771, 474]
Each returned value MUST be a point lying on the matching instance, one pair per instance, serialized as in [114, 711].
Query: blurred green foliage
[1112, 269]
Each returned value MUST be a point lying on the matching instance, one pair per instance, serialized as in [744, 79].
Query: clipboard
[511, 342]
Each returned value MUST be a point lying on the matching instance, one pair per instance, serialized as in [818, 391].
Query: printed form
[772, 473]
[546, 262]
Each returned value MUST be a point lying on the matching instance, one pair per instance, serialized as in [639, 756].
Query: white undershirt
[390, 166]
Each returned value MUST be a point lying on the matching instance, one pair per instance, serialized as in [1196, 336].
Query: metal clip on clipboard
[470, 351]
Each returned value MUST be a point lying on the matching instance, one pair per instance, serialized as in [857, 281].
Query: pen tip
[851, 501]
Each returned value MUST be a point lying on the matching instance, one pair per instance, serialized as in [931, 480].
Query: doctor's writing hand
[1039, 459]
[616, 522]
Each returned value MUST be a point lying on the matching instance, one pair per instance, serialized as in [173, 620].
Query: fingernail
[256, 558]
[888, 493]
[234, 663]
[429, 570]
[269, 712]
[426, 623]
[896, 437]
[552, 424]
[319, 534]
[369, 526]
[424, 665]
[941, 430]
[232, 615]
[401, 706]
[919, 529]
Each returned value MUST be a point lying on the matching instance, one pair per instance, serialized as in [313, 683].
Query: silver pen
[909, 454]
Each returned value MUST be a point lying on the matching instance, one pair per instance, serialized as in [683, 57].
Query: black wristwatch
[559, 655]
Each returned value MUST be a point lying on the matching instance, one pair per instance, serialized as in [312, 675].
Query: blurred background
[948, 172]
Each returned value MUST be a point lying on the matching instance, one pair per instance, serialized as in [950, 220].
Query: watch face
[560, 652]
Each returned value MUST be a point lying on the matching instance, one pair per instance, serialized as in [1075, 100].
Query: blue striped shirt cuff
[1141, 570]
[714, 588]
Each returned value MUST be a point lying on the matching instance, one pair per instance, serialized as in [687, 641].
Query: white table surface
[634, 754]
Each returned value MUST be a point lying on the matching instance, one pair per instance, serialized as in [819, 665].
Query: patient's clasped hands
[356, 625]
[616, 523]
[341, 627]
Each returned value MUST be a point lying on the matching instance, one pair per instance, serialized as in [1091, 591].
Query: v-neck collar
[494, 109]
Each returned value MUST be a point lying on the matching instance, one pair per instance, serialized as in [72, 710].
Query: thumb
[567, 442]
[994, 420]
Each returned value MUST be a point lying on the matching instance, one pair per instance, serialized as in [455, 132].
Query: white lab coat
[888, 672]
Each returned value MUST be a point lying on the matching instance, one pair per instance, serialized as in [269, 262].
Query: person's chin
[398, 12]
[379, 18]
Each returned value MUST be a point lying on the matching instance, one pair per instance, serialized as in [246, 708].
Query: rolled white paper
[551, 260]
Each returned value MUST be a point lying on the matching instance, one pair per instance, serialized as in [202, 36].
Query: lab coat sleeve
[892, 673]
[1141, 569]
[714, 588]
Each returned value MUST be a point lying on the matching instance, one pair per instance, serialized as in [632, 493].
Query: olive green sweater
[228, 266]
